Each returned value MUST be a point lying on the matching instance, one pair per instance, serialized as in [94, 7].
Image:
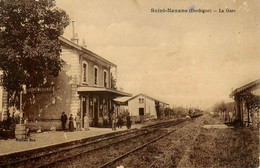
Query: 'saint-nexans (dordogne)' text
[192, 10]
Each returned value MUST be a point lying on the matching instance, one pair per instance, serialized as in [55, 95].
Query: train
[194, 113]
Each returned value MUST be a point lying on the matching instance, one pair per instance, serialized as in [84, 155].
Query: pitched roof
[122, 99]
[245, 87]
[84, 50]
[140, 94]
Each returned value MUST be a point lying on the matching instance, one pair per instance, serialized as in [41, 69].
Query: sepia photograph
[129, 84]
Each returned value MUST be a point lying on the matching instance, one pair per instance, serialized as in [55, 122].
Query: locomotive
[194, 113]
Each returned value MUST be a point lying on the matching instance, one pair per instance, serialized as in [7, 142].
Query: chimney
[74, 38]
[84, 43]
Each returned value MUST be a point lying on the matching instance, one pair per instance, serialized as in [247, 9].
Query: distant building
[247, 103]
[140, 106]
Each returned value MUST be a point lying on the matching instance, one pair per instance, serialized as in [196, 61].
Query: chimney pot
[84, 43]
[74, 38]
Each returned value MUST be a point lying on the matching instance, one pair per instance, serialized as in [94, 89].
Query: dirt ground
[222, 147]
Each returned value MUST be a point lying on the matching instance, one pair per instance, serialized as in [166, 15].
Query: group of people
[119, 121]
[74, 124]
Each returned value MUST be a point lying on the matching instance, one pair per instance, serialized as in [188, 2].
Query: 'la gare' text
[227, 10]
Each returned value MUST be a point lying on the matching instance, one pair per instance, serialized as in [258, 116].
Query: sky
[184, 59]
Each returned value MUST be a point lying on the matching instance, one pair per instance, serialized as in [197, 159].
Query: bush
[136, 119]
[9, 124]
[215, 115]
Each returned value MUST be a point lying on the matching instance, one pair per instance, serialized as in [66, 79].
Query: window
[95, 75]
[84, 72]
[141, 100]
[105, 78]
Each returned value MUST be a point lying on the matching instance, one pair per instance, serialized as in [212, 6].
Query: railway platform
[52, 138]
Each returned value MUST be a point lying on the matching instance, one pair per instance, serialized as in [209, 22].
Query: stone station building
[82, 87]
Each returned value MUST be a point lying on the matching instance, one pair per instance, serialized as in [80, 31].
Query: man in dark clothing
[63, 120]
[128, 121]
[119, 121]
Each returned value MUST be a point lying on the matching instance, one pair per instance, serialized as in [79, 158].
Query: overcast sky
[189, 59]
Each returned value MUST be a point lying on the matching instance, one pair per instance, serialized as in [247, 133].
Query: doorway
[84, 110]
[95, 118]
[141, 111]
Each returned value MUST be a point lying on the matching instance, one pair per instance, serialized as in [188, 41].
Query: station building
[83, 87]
[247, 104]
[140, 106]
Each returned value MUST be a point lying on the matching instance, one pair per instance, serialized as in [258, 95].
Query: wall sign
[40, 90]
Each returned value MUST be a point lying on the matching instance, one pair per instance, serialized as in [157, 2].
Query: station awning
[101, 90]
[245, 87]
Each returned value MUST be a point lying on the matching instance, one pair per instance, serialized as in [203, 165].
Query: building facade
[83, 87]
[247, 104]
[140, 106]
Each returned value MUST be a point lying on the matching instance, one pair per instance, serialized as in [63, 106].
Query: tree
[29, 45]
[113, 82]
[230, 106]
[221, 107]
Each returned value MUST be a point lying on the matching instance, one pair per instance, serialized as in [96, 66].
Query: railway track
[153, 128]
[112, 163]
[48, 159]
[164, 153]
[102, 154]
[63, 149]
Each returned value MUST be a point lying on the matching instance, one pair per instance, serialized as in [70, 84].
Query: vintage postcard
[133, 83]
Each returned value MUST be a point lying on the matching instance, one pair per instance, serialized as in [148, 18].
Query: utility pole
[21, 102]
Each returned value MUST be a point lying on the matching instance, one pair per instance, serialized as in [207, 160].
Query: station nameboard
[40, 90]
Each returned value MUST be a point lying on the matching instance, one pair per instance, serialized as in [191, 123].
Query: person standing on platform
[63, 120]
[86, 125]
[71, 125]
[74, 123]
[114, 121]
[77, 118]
[128, 121]
[120, 121]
